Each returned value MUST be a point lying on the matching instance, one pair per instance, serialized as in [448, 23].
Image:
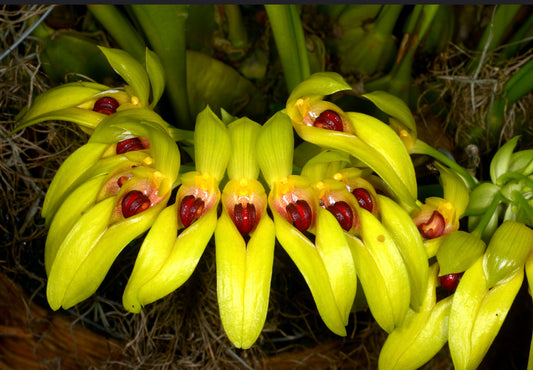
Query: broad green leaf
[481, 198]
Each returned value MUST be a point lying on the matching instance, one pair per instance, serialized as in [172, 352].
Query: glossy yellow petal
[130, 70]
[338, 261]
[309, 263]
[180, 264]
[409, 242]
[458, 251]
[69, 171]
[315, 88]
[74, 206]
[455, 189]
[275, 148]
[507, 251]
[384, 140]
[422, 334]
[212, 147]
[155, 249]
[93, 268]
[243, 161]
[362, 151]
[156, 74]
[75, 248]
[388, 258]
[244, 272]
[374, 284]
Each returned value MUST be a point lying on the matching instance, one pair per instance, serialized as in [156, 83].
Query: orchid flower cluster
[350, 213]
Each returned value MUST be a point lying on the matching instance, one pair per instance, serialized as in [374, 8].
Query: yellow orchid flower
[362, 136]
[326, 265]
[105, 203]
[244, 239]
[87, 103]
[173, 246]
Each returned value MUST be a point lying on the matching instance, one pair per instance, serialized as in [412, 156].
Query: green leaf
[481, 198]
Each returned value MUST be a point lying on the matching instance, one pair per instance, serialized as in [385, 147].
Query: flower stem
[421, 147]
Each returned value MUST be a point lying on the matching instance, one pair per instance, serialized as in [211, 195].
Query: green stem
[290, 42]
[120, 29]
[421, 147]
[237, 32]
[387, 18]
[164, 27]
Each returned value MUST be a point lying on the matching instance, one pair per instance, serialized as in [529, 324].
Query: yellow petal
[309, 263]
[243, 160]
[180, 264]
[154, 252]
[338, 261]
[409, 242]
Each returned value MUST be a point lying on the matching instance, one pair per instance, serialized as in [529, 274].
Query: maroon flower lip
[129, 145]
[106, 105]
[300, 214]
[134, 203]
[191, 208]
[330, 120]
[364, 199]
[434, 227]
[245, 218]
[343, 213]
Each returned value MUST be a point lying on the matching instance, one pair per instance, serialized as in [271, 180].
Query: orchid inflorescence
[350, 212]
